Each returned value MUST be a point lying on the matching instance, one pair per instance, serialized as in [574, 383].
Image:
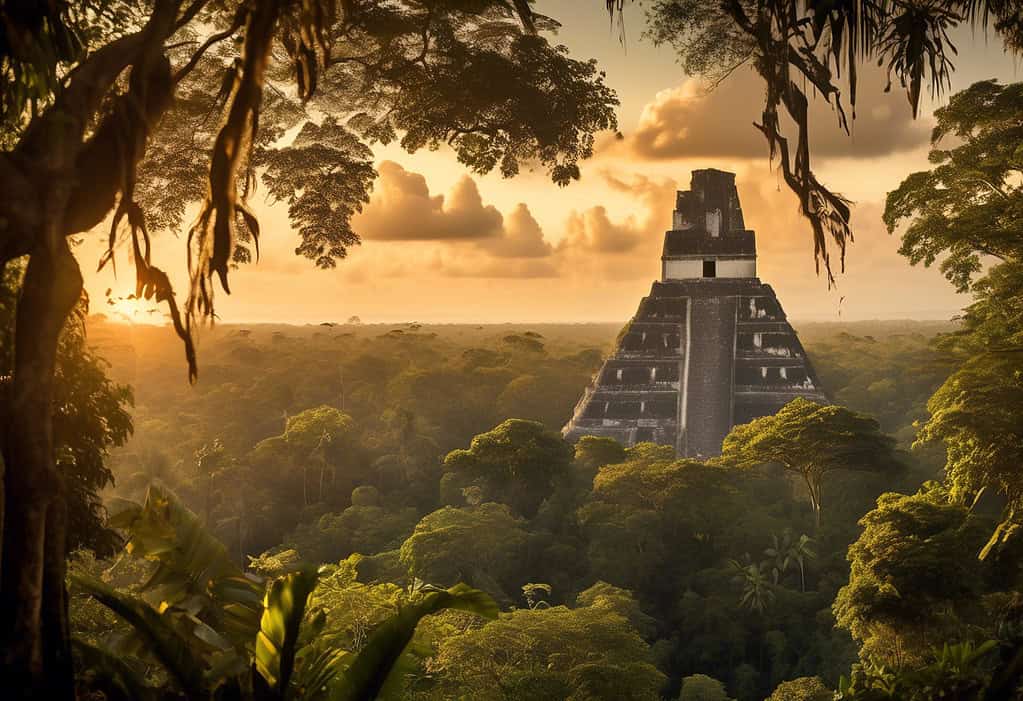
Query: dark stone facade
[701, 354]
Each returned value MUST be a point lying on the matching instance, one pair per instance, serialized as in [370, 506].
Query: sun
[131, 310]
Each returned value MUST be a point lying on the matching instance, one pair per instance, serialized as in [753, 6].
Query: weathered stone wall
[688, 367]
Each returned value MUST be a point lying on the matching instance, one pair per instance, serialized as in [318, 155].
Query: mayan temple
[708, 348]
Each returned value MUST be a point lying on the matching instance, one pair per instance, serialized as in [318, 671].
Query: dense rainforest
[401, 454]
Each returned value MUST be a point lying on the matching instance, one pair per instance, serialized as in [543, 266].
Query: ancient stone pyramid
[709, 348]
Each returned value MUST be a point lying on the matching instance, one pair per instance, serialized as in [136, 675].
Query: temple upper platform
[708, 238]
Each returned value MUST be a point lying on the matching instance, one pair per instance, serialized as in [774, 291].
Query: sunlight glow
[129, 310]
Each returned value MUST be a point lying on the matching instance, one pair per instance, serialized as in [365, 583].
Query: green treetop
[516, 463]
[802, 689]
[914, 580]
[970, 203]
[811, 440]
[978, 417]
[700, 687]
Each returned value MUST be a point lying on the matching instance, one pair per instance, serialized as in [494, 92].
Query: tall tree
[517, 463]
[977, 415]
[320, 438]
[91, 415]
[967, 207]
[483, 544]
[913, 581]
[803, 49]
[811, 440]
[88, 95]
[652, 515]
[966, 211]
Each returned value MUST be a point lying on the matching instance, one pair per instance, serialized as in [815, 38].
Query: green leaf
[121, 513]
[277, 639]
[370, 668]
[113, 668]
[193, 569]
[316, 668]
[165, 643]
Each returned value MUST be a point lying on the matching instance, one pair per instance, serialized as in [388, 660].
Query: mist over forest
[640, 566]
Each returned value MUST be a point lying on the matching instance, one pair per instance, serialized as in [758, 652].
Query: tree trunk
[813, 487]
[35, 643]
[241, 546]
[52, 166]
[322, 466]
[819, 482]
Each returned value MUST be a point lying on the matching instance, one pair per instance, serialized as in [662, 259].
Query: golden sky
[441, 245]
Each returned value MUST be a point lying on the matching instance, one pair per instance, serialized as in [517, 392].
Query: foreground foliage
[217, 630]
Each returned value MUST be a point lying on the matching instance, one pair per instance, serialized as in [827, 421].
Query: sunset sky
[441, 245]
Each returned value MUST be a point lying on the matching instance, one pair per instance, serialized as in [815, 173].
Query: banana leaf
[172, 650]
[370, 668]
[316, 668]
[193, 569]
[277, 640]
[113, 669]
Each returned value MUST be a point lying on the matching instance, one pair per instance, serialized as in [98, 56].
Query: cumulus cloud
[594, 244]
[459, 236]
[402, 209]
[522, 237]
[690, 121]
[593, 230]
[454, 236]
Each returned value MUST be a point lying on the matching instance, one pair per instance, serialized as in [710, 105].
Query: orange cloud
[592, 243]
[596, 245]
[453, 236]
[691, 121]
[402, 209]
[522, 237]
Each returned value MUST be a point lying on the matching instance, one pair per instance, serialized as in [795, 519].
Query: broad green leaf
[165, 643]
[277, 639]
[370, 667]
[193, 570]
[315, 669]
[114, 669]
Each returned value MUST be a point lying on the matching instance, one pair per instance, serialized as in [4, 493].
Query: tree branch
[239, 20]
[51, 146]
[189, 14]
[88, 85]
